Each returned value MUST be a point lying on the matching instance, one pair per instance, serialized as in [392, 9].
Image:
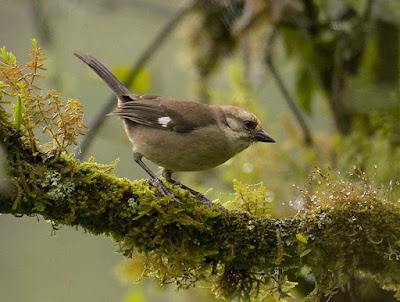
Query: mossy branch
[185, 244]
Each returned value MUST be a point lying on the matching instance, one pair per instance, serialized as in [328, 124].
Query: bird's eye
[249, 125]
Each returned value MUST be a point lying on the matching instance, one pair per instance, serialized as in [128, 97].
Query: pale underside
[183, 151]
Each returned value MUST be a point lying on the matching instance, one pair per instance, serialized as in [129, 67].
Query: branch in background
[346, 66]
[311, 11]
[331, 83]
[308, 140]
[137, 66]
[335, 93]
[387, 63]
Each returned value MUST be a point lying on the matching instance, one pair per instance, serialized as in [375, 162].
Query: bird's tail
[104, 73]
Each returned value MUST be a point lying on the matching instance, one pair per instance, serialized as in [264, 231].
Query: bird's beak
[262, 136]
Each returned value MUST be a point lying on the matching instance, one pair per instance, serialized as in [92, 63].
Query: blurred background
[323, 75]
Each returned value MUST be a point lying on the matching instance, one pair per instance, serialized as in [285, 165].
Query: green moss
[347, 227]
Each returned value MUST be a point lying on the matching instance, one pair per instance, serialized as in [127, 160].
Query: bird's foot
[201, 198]
[198, 196]
[204, 200]
[163, 189]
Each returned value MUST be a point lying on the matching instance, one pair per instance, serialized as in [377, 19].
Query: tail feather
[104, 73]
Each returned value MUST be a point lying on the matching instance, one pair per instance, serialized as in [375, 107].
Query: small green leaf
[34, 42]
[301, 238]
[40, 207]
[304, 89]
[12, 58]
[18, 113]
[288, 285]
[306, 252]
[4, 53]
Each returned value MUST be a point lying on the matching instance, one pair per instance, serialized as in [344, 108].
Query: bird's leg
[154, 180]
[200, 197]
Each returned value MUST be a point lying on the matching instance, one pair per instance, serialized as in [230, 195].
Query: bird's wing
[164, 113]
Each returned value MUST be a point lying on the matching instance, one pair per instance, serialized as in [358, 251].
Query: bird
[179, 135]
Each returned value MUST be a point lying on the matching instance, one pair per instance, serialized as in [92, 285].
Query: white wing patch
[163, 121]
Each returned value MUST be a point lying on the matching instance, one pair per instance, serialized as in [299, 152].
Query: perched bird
[180, 135]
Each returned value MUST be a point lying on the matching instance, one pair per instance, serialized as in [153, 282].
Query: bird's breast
[200, 149]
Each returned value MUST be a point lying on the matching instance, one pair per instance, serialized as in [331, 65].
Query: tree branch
[353, 230]
[136, 67]
[286, 95]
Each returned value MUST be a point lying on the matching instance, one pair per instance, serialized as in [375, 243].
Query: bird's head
[244, 125]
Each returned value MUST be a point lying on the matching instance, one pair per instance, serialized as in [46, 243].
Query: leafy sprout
[35, 110]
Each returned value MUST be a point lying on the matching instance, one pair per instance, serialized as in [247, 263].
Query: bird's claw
[204, 200]
[199, 197]
[163, 189]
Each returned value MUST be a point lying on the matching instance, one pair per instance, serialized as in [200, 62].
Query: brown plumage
[180, 135]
